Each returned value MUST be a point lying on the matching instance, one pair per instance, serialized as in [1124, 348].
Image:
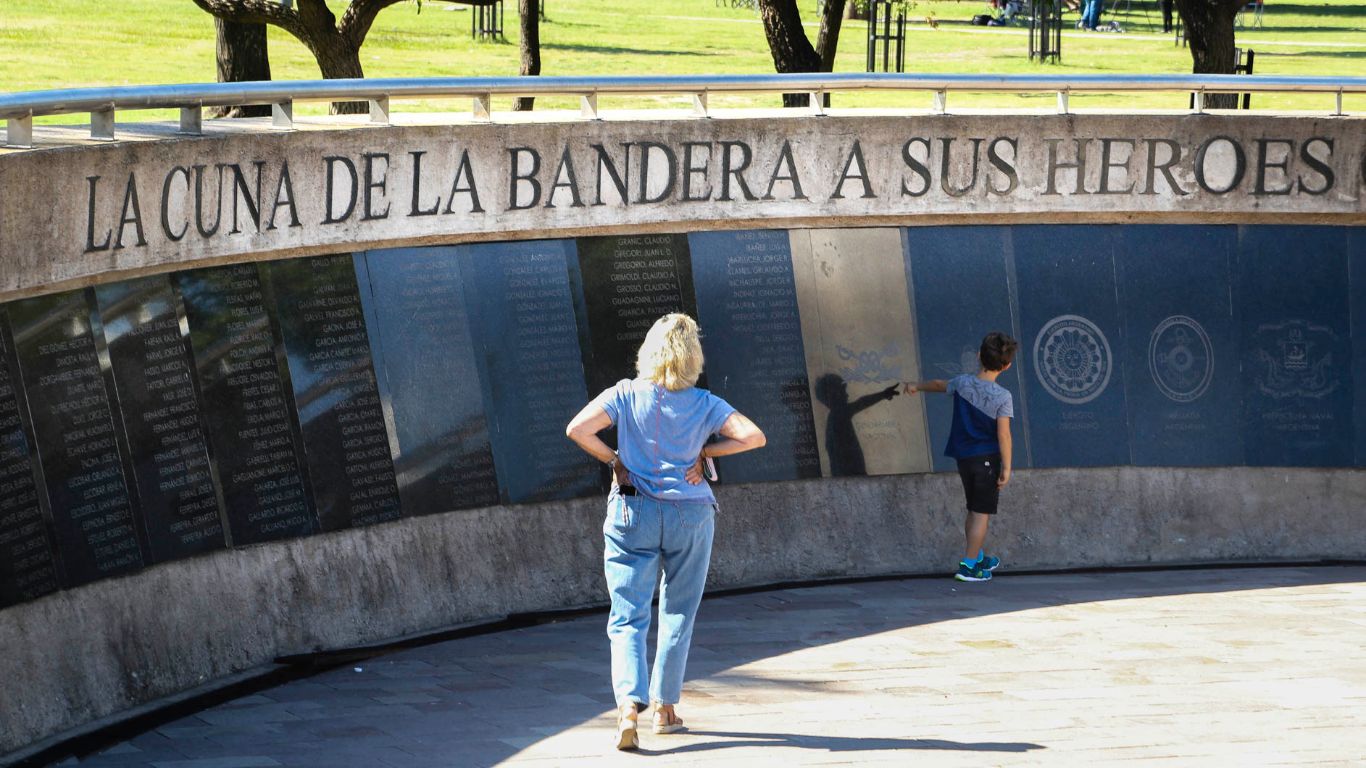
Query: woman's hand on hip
[695, 473]
[620, 475]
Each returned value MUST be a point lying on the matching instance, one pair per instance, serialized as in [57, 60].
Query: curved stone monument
[269, 393]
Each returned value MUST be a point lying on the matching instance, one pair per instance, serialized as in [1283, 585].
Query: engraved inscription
[530, 340]
[747, 293]
[334, 386]
[630, 283]
[75, 432]
[444, 459]
[27, 567]
[249, 418]
[160, 413]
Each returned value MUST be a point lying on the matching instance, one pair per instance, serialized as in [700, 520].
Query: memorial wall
[159, 418]
[269, 393]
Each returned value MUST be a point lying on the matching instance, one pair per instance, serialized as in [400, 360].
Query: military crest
[1072, 359]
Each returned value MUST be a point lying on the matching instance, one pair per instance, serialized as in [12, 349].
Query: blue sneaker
[989, 563]
[972, 572]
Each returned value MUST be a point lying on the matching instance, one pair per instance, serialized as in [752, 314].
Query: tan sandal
[627, 735]
[667, 720]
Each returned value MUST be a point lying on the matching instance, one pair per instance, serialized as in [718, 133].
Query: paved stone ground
[1229, 667]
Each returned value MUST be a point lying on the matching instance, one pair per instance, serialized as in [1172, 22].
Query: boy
[980, 441]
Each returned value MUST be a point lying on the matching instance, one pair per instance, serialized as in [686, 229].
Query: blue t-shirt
[976, 406]
[660, 434]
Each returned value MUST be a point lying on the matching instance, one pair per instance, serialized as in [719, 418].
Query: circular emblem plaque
[1181, 358]
[1072, 359]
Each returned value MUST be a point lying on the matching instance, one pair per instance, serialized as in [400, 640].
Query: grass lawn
[67, 43]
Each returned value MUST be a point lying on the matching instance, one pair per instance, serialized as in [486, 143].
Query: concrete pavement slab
[1255, 666]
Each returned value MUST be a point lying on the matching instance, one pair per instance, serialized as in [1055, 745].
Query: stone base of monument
[139, 640]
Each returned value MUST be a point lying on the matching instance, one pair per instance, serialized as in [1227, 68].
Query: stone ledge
[89, 653]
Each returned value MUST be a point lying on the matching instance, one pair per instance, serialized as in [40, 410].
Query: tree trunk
[335, 45]
[337, 60]
[530, 12]
[242, 57]
[787, 41]
[1209, 29]
[827, 44]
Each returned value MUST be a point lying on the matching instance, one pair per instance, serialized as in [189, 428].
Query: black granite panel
[429, 378]
[345, 442]
[251, 430]
[1296, 347]
[522, 306]
[73, 424]
[28, 560]
[1180, 344]
[1073, 376]
[747, 307]
[628, 284]
[159, 408]
[961, 276]
[1356, 265]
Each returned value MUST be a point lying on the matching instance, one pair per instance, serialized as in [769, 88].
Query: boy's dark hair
[998, 351]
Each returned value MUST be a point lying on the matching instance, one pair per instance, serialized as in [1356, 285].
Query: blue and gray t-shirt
[976, 406]
[660, 433]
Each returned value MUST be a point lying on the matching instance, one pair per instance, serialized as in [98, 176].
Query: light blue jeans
[644, 536]
[1090, 14]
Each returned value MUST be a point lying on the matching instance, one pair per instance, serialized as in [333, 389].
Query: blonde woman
[660, 512]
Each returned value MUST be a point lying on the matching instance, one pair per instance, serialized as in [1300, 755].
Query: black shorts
[979, 475]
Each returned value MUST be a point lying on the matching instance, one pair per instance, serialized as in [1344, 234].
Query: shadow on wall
[841, 437]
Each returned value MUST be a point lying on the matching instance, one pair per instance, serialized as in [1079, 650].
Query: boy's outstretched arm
[1003, 437]
[933, 385]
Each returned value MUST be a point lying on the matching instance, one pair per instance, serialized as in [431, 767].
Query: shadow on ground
[839, 743]
[480, 700]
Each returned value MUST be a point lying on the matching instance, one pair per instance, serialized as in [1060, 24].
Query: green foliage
[622, 37]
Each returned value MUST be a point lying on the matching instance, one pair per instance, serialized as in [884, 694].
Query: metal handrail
[20, 108]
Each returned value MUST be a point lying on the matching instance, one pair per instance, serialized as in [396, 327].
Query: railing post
[1338, 112]
[1199, 101]
[482, 108]
[282, 115]
[379, 110]
[699, 104]
[102, 124]
[817, 101]
[588, 106]
[191, 121]
[19, 132]
[941, 101]
[1062, 102]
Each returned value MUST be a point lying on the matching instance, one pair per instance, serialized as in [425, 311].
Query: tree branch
[317, 17]
[255, 12]
[359, 15]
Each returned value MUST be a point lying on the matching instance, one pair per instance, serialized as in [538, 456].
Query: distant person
[980, 440]
[841, 440]
[1090, 14]
[660, 513]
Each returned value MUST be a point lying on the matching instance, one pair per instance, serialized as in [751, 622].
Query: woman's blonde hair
[671, 354]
